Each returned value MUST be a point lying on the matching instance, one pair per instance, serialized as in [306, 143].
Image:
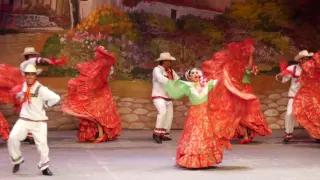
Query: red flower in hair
[203, 81]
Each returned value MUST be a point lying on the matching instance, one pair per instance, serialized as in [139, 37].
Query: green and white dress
[198, 146]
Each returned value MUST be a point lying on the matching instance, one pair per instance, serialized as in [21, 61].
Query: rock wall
[274, 107]
[19, 21]
[140, 113]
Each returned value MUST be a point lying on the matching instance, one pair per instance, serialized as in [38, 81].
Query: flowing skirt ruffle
[198, 146]
[306, 109]
[98, 108]
[234, 109]
[4, 128]
[10, 77]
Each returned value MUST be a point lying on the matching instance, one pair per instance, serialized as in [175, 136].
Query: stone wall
[134, 113]
[274, 107]
[19, 21]
[140, 113]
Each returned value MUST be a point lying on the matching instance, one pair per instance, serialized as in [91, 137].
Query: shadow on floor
[219, 168]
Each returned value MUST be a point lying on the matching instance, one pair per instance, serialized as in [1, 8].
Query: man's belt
[160, 97]
[26, 119]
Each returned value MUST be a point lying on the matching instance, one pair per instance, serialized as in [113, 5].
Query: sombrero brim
[39, 71]
[28, 53]
[168, 59]
[298, 57]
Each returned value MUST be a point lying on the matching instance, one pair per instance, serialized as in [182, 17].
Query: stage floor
[134, 156]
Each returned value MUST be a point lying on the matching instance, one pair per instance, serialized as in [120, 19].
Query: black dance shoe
[47, 172]
[287, 138]
[157, 139]
[16, 167]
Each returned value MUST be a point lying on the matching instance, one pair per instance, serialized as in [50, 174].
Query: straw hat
[303, 54]
[29, 50]
[30, 68]
[165, 56]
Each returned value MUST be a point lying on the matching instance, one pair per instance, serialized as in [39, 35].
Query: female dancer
[89, 98]
[199, 146]
[233, 106]
[9, 77]
[306, 104]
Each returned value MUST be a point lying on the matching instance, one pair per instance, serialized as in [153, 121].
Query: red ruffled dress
[199, 145]
[89, 98]
[10, 77]
[234, 108]
[306, 104]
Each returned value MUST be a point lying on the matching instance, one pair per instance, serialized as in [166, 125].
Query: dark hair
[190, 70]
[26, 57]
[160, 62]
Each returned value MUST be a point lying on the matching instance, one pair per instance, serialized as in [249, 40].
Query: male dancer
[34, 98]
[31, 56]
[161, 101]
[292, 72]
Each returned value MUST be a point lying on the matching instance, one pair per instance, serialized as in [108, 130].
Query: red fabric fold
[89, 98]
[283, 65]
[233, 106]
[58, 62]
[10, 77]
[306, 104]
[4, 128]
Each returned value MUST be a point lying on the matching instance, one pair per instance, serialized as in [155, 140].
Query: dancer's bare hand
[279, 77]
[20, 96]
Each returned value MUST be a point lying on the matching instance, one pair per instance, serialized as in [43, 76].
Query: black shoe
[47, 172]
[157, 139]
[166, 139]
[16, 167]
[287, 138]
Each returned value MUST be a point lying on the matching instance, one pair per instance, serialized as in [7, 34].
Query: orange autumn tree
[265, 20]
[108, 20]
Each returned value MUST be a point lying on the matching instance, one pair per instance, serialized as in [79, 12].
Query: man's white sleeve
[49, 96]
[159, 76]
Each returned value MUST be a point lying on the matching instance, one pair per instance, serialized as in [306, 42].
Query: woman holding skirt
[199, 146]
[235, 110]
[306, 104]
[89, 98]
[9, 78]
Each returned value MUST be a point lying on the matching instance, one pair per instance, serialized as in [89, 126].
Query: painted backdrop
[136, 31]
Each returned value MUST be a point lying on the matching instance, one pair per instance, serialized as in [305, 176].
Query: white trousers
[289, 121]
[20, 131]
[164, 117]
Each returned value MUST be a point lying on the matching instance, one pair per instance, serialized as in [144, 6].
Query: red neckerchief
[27, 95]
[170, 74]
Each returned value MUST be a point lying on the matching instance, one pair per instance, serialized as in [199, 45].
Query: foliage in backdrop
[137, 38]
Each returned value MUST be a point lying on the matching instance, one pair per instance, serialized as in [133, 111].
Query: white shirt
[33, 61]
[45, 98]
[159, 79]
[295, 84]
